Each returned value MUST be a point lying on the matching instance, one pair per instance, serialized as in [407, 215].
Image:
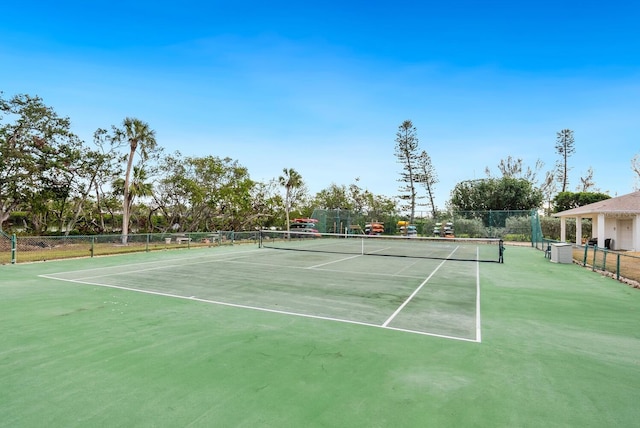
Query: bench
[213, 237]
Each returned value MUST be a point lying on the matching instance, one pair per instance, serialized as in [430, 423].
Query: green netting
[337, 221]
[510, 225]
[537, 238]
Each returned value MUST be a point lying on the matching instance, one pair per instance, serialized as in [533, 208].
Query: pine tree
[428, 178]
[406, 151]
[565, 148]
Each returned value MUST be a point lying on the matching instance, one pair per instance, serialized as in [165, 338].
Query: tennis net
[467, 249]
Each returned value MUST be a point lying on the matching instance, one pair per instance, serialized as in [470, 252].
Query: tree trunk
[125, 200]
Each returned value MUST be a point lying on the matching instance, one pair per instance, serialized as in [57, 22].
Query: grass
[624, 264]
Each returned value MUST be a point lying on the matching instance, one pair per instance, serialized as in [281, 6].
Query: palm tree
[139, 186]
[138, 134]
[290, 180]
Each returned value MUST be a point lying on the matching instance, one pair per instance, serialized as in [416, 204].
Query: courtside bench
[182, 239]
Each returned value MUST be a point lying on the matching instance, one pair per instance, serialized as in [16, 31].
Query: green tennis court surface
[421, 296]
[240, 336]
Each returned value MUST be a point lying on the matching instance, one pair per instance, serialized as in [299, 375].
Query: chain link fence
[621, 266]
[517, 226]
[7, 247]
[42, 248]
[510, 225]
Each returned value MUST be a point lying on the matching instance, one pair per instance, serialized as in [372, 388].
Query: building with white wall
[616, 220]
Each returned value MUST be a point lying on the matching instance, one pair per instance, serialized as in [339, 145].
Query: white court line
[478, 338]
[257, 308]
[129, 272]
[378, 250]
[401, 307]
[317, 267]
[236, 256]
[334, 261]
[210, 257]
[405, 268]
[235, 260]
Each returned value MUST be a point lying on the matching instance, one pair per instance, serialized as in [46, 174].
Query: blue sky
[323, 86]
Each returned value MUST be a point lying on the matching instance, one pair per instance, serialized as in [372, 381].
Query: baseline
[257, 308]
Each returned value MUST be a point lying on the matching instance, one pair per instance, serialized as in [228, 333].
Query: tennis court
[246, 336]
[426, 296]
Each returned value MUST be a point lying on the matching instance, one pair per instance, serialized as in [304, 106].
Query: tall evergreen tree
[428, 178]
[565, 147]
[406, 151]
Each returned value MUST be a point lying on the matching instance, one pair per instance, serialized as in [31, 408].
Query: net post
[14, 248]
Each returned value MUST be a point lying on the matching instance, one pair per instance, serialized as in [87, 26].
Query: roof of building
[622, 205]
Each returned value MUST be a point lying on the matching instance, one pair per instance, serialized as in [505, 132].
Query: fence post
[147, 246]
[93, 240]
[618, 267]
[595, 252]
[14, 248]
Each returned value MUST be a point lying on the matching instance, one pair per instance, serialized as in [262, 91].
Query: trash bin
[167, 240]
[608, 243]
[561, 252]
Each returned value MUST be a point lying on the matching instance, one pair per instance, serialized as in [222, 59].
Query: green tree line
[52, 180]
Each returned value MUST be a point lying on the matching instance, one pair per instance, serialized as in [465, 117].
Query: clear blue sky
[323, 86]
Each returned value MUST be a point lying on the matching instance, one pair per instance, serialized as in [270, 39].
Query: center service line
[416, 291]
